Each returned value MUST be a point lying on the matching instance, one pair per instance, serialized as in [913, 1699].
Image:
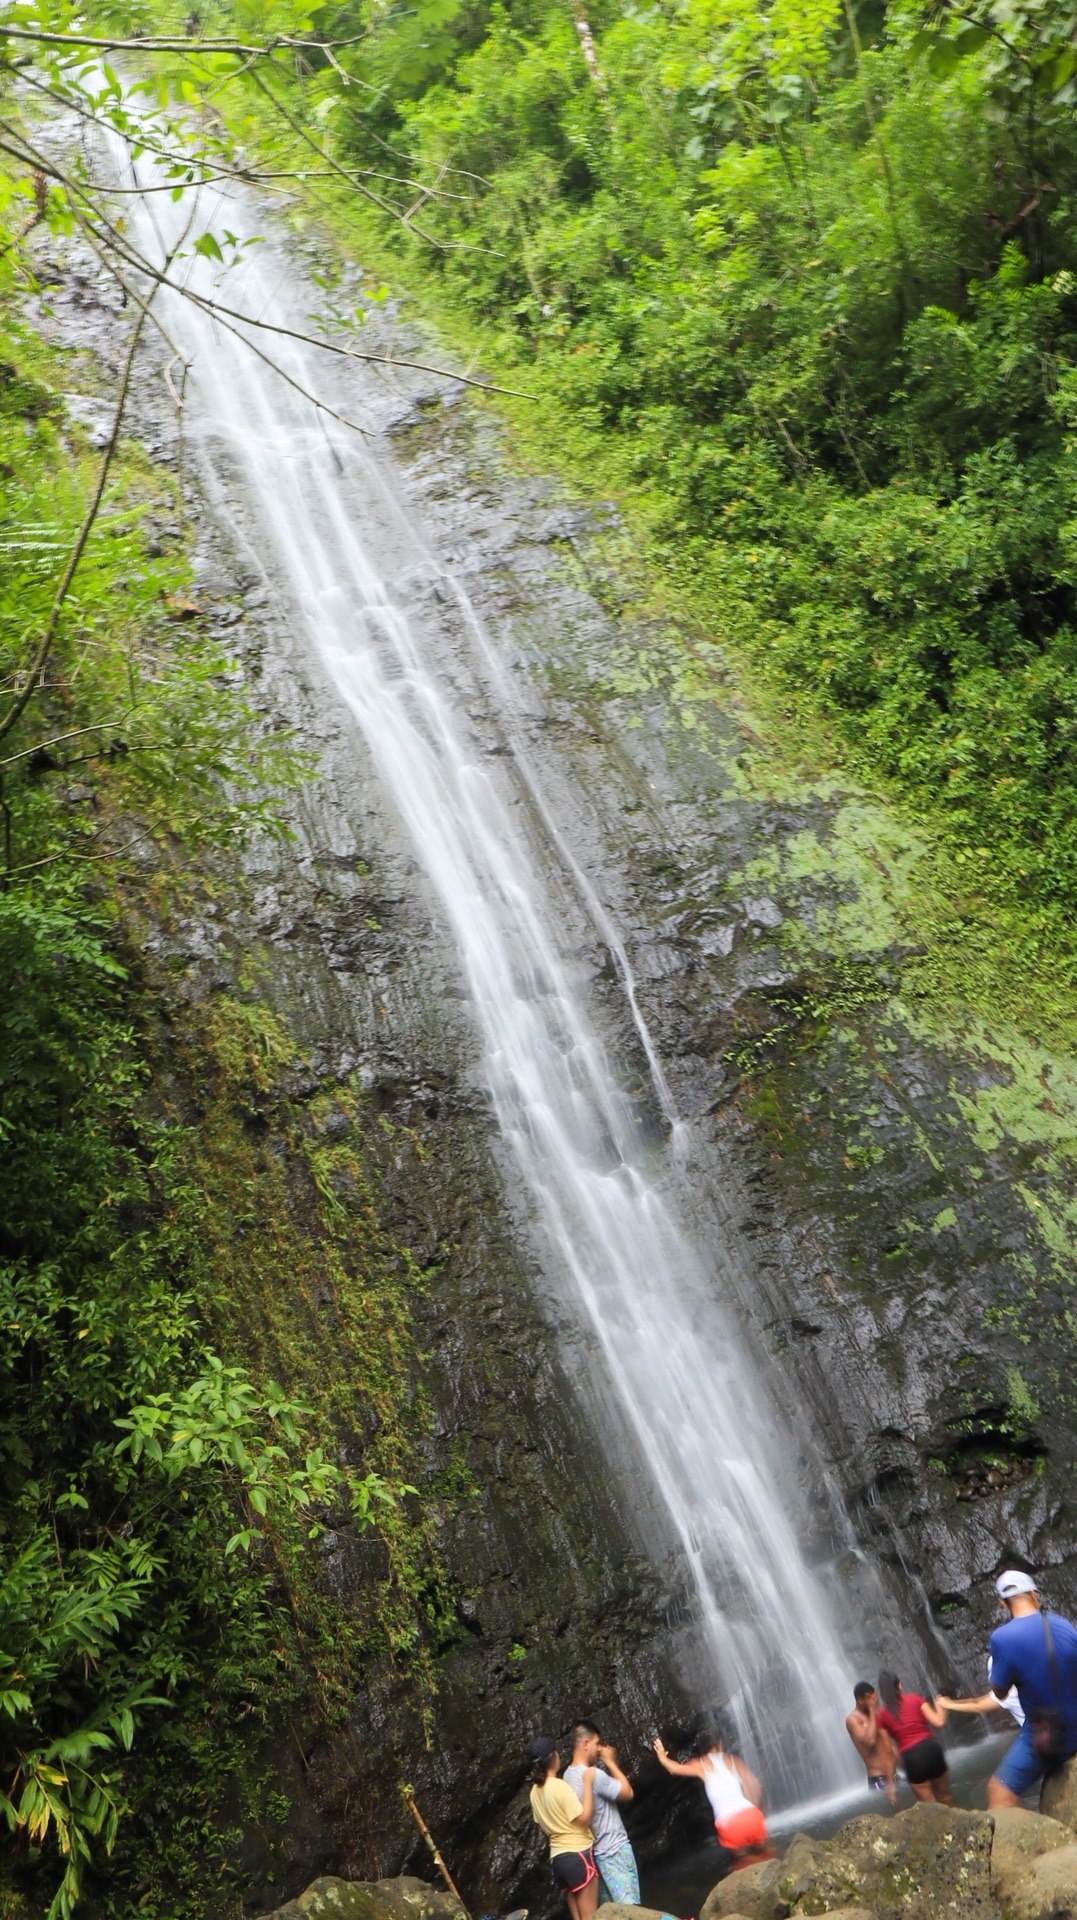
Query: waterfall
[672, 1369]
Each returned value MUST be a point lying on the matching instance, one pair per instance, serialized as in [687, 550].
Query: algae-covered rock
[1042, 1889]
[739, 1892]
[1058, 1794]
[792, 1878]
[1020, 1836]
[927, 1861]
[401, 1899]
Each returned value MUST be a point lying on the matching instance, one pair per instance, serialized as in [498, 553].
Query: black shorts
[926, 1761]
[574, 1871]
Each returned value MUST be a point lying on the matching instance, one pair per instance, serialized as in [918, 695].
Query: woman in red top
[912, 1722]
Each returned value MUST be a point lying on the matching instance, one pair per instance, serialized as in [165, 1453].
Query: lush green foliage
[805, 274]
[148, 1491]
[811, 278]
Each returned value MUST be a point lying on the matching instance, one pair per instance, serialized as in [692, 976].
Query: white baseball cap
[1009, 1585]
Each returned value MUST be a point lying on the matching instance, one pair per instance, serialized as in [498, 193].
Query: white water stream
[315, 501]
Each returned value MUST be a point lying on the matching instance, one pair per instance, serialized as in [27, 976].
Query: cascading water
[314, 498]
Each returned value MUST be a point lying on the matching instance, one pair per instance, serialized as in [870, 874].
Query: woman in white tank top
[735, 1796]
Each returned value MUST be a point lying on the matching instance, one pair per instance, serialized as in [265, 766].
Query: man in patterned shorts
[614, 1858]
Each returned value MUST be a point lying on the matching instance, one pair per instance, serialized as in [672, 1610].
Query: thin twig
[57, 739]
[136, 259]
[375, 198]
[160, 44]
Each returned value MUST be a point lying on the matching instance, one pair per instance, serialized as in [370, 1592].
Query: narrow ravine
[316, 508]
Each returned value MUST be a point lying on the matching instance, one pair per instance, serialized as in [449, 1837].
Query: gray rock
[618, 1910]
[1042, 1889]
[739, 1892]
[1058, 1795]
[401, 1899]
[1021, 1836]
[792, 1878]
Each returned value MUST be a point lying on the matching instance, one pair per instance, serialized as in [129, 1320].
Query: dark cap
[540, 1750]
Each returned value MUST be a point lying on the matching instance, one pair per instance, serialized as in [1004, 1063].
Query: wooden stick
[432, 1844]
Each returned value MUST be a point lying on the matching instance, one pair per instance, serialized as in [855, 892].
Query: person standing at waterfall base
[565, 1819]
[912, 1723]
[1035, 1652]
[872, 1742]
[618, 1873]
[735, 1795]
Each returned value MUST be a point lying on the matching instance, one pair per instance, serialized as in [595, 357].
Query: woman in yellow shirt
[566, 1822]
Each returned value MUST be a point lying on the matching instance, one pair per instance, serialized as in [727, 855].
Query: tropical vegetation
[801, 278]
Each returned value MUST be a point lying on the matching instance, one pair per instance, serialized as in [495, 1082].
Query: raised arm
[934, 1715]
[984, 1703]
[693, 1770]
[624, 1784]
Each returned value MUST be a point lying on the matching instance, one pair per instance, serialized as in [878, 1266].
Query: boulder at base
[1058, 1794]
[401, 1899]
[616, 1910]
[1042, 1889]
[925, 1862]
[739, 1892]
[1020, 1836]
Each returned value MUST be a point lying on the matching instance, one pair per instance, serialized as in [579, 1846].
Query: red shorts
[743, 1830]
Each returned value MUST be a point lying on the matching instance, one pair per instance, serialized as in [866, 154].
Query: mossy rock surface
[403, 1898]
[925, 1862]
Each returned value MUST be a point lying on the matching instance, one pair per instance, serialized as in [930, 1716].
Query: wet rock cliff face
[894, 1185]
[891, 1195]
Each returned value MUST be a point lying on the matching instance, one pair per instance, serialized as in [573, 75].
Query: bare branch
[58, 739]
[208, 173]
[298, 127]
[153, 43]
[220, 311]
[222, 314]
[134, 258]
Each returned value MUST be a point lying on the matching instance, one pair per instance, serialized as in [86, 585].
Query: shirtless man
[872, 1742]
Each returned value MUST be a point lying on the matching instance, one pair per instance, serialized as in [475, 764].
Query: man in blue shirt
[1037, 1654]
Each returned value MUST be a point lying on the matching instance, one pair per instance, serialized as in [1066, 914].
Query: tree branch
[298, 127]
[57, 739]
[153, 43]
[218, 310]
